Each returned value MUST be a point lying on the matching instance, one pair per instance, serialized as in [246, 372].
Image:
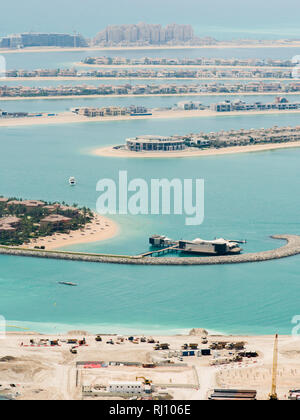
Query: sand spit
[191, 152]
[71, 118]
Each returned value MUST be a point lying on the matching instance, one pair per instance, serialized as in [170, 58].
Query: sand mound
[198, 331]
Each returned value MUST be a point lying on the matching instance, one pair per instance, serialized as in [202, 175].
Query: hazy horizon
[233, 19]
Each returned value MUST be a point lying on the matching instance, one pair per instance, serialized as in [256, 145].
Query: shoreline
[111, 152]
[275, 44]
[71, 118]
[38, 98]
[100, 229]
[86, 78]
[180, 66]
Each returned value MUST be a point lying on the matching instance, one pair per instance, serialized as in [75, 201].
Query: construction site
[197, 366]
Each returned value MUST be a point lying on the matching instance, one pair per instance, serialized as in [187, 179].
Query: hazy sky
[207, 16]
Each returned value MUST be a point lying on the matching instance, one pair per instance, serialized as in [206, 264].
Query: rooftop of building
[54, 218]
[154, 139]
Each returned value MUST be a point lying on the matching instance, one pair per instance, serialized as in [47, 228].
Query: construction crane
[273, 394]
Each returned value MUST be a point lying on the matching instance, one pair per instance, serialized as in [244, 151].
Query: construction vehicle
[164, 346]
[185, 347]
[193, 346]
[273, 395]
[145, 381]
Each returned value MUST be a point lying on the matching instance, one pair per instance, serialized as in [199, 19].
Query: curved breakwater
[292, 247]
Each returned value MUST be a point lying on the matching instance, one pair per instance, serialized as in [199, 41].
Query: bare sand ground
[98, 230]
[111, 152]
[70, 118]
[265, 44]
[43, 372]
[24, 98]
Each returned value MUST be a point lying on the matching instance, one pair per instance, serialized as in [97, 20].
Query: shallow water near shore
[247, 196]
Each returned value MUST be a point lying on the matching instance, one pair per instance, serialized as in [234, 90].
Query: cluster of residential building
[190, 105]
[244, 137]
[51, 216]
[202, 61]
[147, 89]
[156, 73]
[33, 39]
[219, 139]
[111, 111]
[279, 104]
[144, 33]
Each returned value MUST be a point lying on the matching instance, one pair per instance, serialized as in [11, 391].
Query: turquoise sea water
[224, 20]
[248, 196]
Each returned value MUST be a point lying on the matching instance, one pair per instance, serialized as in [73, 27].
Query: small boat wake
[66, 283]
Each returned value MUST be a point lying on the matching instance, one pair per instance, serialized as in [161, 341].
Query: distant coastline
[266, 44]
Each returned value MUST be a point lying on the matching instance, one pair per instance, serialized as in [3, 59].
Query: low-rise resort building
[24, 220]
[155, 143]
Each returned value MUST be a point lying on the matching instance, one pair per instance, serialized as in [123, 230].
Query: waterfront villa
[55, 221]
[155, 143]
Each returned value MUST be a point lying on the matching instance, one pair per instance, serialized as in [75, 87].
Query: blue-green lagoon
[247, 196]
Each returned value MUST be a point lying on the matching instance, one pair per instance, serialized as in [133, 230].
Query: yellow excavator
[146, 381]
[273, 395]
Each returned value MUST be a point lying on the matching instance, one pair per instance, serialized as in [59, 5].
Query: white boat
[72, 181]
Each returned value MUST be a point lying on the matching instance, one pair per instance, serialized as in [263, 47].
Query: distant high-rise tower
[144, 33]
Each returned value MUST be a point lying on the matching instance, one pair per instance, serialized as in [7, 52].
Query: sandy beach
[191, 152]
[39, 371]
[71, 118]
[98, 230]
[278, 44]
[37, 98]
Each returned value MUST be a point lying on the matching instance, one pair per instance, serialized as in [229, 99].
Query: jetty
[291, 248]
